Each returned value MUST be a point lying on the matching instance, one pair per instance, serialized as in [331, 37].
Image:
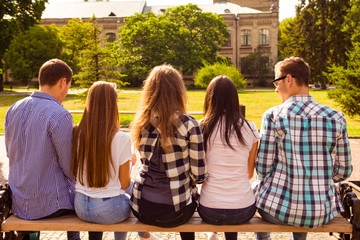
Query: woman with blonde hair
[100, 161]
[170, 144]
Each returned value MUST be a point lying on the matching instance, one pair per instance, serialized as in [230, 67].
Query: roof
[88, 9]
[219, 8]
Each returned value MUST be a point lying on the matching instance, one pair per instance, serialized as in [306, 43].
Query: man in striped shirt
[38, 135]
[304, 150]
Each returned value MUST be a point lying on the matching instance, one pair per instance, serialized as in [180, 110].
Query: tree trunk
[1, 83]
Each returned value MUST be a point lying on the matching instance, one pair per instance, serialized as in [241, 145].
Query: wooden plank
[195, 224]
[133, 112]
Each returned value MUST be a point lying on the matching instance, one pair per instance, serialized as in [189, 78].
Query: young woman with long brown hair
[100, 161]
[231, 141]
[170, 144]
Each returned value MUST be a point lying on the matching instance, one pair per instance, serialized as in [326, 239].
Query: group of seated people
[56, 168]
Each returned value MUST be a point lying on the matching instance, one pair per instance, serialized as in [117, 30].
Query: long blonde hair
[163, 95]
[93, 135]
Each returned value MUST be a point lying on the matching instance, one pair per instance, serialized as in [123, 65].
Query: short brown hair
[297, 67]
[52, 71]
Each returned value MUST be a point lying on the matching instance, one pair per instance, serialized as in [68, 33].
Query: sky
[287, 7]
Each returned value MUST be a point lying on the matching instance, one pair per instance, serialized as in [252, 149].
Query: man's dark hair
[296, 67]
[52, 71]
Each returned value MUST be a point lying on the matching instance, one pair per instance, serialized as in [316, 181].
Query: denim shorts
[218, 216]
[102, 210]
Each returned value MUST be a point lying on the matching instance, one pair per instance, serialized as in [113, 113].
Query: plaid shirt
[303, 150]
[184, 160]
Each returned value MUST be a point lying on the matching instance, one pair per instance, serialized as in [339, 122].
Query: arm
[267, 148]
[251, 160]
[62, 140]
[124, 175]
[342, 166]
[197, 154]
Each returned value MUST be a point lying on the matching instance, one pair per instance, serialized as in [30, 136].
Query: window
[245, 37]
[264, 37]
[228, 42]
[111, 37]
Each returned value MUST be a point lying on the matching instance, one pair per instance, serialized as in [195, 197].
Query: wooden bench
[132, 224]
[348, 225]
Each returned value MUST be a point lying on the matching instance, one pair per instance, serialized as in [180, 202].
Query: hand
[133, 159]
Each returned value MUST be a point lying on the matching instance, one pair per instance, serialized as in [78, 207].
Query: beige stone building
[251, 23]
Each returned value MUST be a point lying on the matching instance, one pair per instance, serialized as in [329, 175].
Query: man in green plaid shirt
[304, 150]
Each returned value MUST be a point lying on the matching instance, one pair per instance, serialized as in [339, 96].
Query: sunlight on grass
[256, 103]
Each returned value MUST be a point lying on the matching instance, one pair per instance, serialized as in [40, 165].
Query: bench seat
[72, 223]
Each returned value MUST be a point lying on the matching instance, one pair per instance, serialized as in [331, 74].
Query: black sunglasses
[278, 79]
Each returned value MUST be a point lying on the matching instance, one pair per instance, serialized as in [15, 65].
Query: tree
[347, 81]
[315, 34]
[76, 36]
[209, 71]
[346, 78]
[183, 36]
[96, 63]
[30, 49]
[16, 16]
[257, 65]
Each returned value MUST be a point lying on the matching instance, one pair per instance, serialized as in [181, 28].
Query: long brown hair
[222, 106]
[163, 95]
[93, 135]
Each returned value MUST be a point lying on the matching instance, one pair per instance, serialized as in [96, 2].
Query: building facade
[252, 24]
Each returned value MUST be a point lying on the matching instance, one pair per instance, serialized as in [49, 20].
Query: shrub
[208, 72]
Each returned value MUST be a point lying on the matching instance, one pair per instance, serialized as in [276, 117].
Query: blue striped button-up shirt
[38, 134]
[303, 150]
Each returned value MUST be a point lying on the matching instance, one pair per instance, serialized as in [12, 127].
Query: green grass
[256, 102]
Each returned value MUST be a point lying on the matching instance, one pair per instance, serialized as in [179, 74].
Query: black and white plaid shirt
[183, 160]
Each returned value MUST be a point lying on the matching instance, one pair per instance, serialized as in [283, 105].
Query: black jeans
[163, 215]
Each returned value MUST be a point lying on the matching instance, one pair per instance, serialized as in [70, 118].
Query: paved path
[355, 152]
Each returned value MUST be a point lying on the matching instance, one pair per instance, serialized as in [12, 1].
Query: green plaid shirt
[304, 149]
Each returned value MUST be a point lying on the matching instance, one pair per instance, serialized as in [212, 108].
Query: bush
[208, 72]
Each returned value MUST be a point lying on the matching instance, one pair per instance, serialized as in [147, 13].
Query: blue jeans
[104, 211]
[266, 235]
[217, 216]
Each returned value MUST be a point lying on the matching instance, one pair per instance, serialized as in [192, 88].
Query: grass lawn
[256, 102]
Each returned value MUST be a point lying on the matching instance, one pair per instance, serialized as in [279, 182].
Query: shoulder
[326, 111]
[186, 124]
[190, 121]
[251, 129]
[121, 137]
[273, 111]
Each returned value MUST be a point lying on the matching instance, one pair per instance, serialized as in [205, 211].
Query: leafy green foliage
[76, 36]
[30, 49]
[95, 63]
[257, 65]
[315, 34]
[183, 36]
[347, 94]
[209, 71]
[17, 16]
